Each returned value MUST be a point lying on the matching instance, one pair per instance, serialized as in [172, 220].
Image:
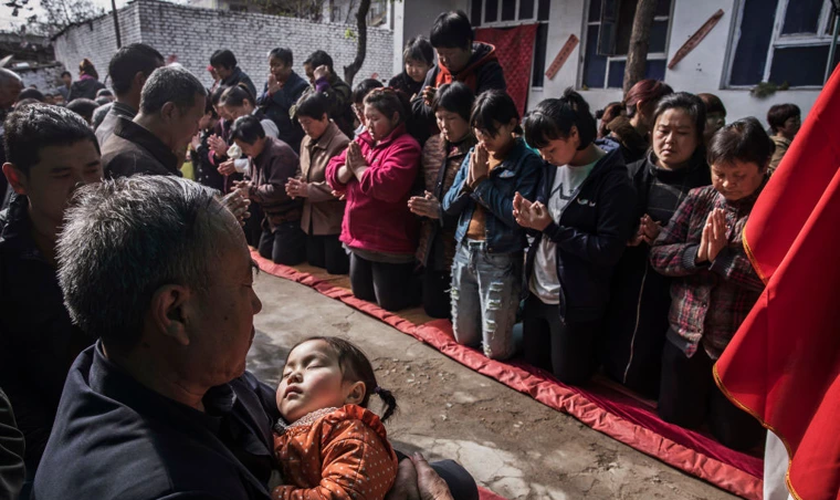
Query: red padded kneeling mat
[601, 405]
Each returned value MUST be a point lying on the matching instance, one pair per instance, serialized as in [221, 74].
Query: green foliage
[766, 89]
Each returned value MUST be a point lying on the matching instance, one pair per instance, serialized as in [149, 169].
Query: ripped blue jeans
[485, 298]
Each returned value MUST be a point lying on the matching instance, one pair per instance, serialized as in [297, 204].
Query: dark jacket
[38, 342]
[637, 315]
[483, 72]
[341, 99]
[116, 439]
[278, 107]
[591, 236]
[270, 171]
[206, 171]
[134, 150]
[12, 470]
[116, 110]
[520, 171]
[440, 163]
[406, 84]
[85, 88]
[238, 76]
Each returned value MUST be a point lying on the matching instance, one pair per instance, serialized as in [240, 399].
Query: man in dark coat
[225, 65]
[51, 151]
[171, 104]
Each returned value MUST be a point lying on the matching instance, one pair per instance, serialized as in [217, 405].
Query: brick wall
[47, 77]
[193, 34]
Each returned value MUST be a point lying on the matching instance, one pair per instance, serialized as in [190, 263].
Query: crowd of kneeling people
[615, 242]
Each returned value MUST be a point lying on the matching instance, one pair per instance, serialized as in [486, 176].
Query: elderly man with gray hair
[161, 407]
[156, 140]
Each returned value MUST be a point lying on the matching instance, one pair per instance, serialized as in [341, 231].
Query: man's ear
[169, 312]
[139, 80]
[16, 178]
[168, 112]
[356, 393]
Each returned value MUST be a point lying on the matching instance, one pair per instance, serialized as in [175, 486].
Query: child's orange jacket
[335, 454]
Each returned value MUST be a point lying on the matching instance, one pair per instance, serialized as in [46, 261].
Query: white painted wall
[701, 71]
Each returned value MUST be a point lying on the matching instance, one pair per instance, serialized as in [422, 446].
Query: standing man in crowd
[461, 59]
[10, 87]
[171, 104]
[224, 63]
[64, 88]
[282, 91]
[319, 70]
[129, 69]
[51, 151]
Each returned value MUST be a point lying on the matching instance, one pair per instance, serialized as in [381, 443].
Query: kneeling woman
[322, 211]
[637, 318]
[376, 173]
[273, 163]
[487, 270]
[715, 285]
[581, 221]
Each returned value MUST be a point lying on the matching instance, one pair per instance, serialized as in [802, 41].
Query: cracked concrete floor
[511, 444]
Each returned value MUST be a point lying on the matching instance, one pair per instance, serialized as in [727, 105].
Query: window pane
[475, 12]
[753, 42]
[654, 69]
[508, 10]
[594, 66]
[802, 16]
[491, 11]
[799, 65]
[543, 13]
[594, 11]
[540, 46]
[526, 9]
[658, 36]
[663, 8]
[626, 13]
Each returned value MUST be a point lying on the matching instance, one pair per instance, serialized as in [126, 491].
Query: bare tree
[639, 43]
[56, 15]
[361, 43]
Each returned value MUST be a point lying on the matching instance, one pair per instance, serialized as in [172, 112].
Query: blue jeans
[485, 298]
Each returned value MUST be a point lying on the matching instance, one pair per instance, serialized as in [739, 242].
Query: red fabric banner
[783, 364]
[515, 50]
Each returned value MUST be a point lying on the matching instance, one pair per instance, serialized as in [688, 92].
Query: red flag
[783, 364]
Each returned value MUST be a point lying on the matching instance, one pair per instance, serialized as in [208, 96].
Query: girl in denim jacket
[486, 272]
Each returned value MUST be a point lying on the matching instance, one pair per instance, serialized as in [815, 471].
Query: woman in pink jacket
[376, 173]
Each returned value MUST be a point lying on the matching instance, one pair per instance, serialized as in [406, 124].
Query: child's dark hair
[492, 107]
[452, 30]
[363, 88]
[247, 129]
[554, 118]
[388, 101]
[744, 140]
[216, 96]
[689, 103]
[779, 114]
[610, 112]
[236, 96]
[84, 107]
[208, 107]
[314, 106]
[455, 97]
[30, 129]
[356, 366]
[419, 49]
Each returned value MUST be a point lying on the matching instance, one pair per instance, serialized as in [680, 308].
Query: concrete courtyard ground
[511, 444]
